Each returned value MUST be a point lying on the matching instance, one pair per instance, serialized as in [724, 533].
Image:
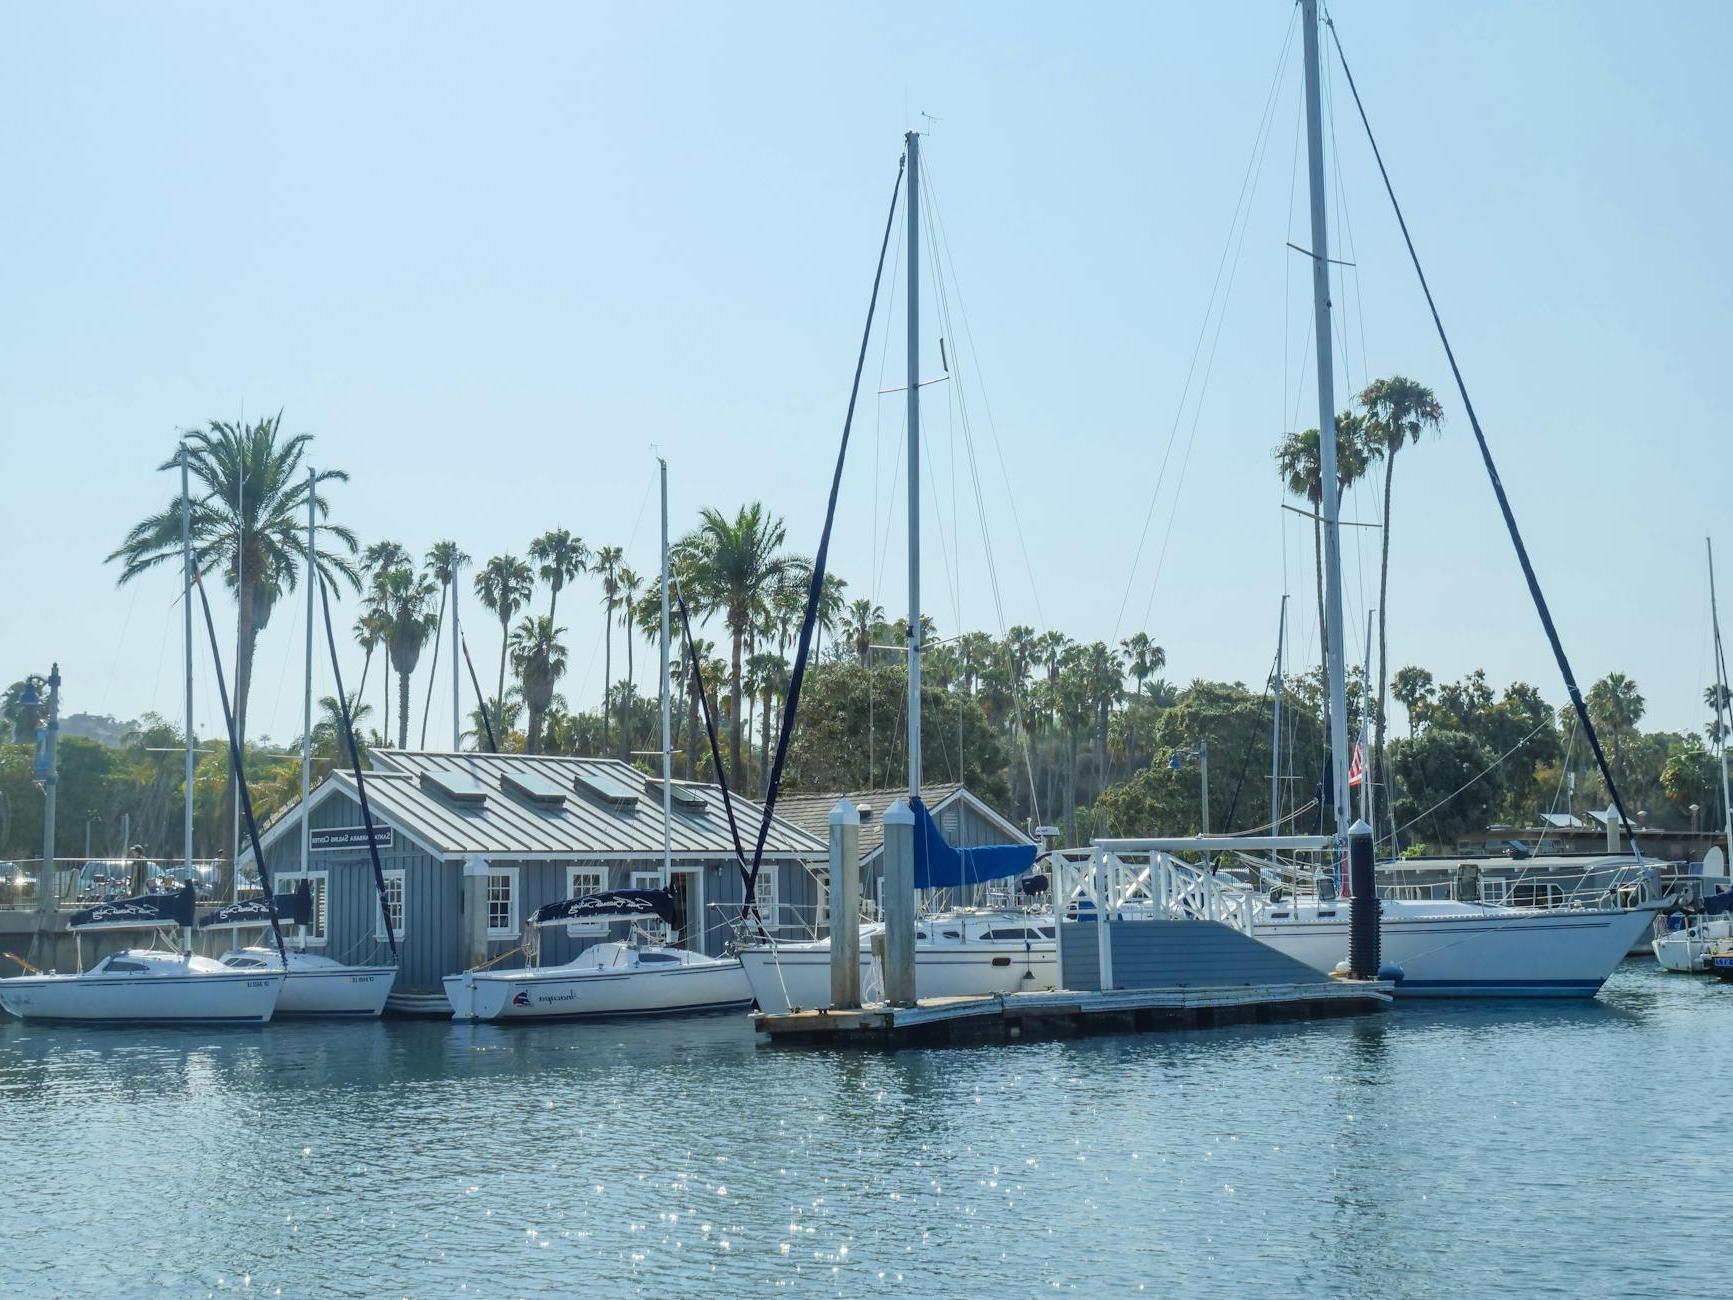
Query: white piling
[844, 905]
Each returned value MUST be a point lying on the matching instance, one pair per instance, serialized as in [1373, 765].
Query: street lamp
[1176, 761]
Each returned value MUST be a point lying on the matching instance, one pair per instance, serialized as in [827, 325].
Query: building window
[393, 905]
[646, 880]
[502, 919]
[581, 882]
[764, 895]
[289, 881]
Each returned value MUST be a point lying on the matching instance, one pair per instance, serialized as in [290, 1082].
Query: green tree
[443, 561]
[732, 566]
[1143, 659]
[407, 601]
[539, 658]
[1412, 689]
[1616, 706]
[863, 618]
[504, 585]
[1446, 786]
[607, 562]
[1298, 463]
[1692, 775]
[249, 521]
[561, 556]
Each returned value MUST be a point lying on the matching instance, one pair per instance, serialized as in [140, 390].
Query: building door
[688, 886]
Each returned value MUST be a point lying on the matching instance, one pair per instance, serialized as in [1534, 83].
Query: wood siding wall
[1175, 954]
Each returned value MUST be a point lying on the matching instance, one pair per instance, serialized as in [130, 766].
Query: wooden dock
[1009, 1017]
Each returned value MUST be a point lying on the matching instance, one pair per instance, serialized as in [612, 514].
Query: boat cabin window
[245, 963]
[649, 958]
[1016, 934]
[124, 966]
[951, 934]
[1046, 932]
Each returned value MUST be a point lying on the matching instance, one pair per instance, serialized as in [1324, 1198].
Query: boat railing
[1126, 880]
[81, 881]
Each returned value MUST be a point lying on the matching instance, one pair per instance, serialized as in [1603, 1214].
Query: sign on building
[330, 839]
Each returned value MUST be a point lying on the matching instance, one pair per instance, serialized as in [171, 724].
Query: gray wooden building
[526, 830]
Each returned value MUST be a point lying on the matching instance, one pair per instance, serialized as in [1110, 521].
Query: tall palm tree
[607, 570]
[863, 617]
[767, 676]
[831, 604]
[406, 598]
[539, 658]
[504, 585]
[732, 566]
[1050, 650]
[561, 557]
[1616, 706]
[1144, 658]
[631, 583]
[379, 557]
[1412, 689]
[250, 523]
[1297, 461]
[1398, 411]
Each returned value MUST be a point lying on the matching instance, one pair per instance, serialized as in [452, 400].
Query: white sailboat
[138, 986]
[1439, 948]
[638, 977]
[314, 985]
[960, 953]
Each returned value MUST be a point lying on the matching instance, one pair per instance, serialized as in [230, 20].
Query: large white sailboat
[637, 977]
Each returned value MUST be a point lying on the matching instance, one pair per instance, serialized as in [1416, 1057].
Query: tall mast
[307, 700]
[456, 667]
[1276, 733]
[912, 143]
[1721, 696]
[667, 705]
[187, 653]
[1335, 671]
[1366, 728]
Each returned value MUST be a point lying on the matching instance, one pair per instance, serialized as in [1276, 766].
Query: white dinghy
[146, 985]
[636, 978]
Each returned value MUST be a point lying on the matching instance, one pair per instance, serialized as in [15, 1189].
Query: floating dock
[1011, 1017]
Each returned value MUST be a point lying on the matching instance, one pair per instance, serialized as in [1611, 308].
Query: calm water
[1461, 1148]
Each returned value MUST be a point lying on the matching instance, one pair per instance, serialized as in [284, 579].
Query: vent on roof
[684, 797]
[614, 793]
[536, 787]
[464, 788]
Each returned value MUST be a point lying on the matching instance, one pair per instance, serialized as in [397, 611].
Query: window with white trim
[764, 895]
[581, 882]
[502, 903]
[287, 882]
[646, 880]
[392, 904]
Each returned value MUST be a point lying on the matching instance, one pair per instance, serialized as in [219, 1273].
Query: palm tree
[380, 557]
[539, 660]
[1398, 411]
[329, 747]
[406, 599]
[1616, 706]
[863, 617]
[767, 677]
[504, 585]
[443, 561]
[1104, 682]
[1412, 689]
[607, 568]
[1050, 649]
[1718, 698]
[562, 557]
[732, 566]
[372, 628]
[831, 605]
[1297, 463]
[1144, 658]
[251, 524]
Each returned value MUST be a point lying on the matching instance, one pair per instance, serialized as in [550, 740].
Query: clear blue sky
[492, 255]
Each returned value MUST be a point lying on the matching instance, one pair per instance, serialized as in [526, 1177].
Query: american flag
[1357, 766]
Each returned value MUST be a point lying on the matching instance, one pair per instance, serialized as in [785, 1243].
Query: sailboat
[1438, 948]
[956, 953]
[148, 985]
[636, 977]
[314, 985]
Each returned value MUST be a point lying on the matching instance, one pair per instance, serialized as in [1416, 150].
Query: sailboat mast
[912, 143]
[187, 652]
[667, 706]
[307, 693]
[456, 668]
[1366, 728]
[1720, 701]
[1335, 670]
[1276, 733]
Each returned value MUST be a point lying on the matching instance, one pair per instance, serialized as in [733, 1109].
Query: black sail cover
[610, 905]
[143, 911]
[290, 909]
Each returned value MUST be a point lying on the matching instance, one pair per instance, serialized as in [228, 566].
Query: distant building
[538, 828]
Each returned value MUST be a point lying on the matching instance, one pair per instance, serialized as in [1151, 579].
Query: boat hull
[783, 979]
[1516, 953]
[243, 998]
[349, 991]
[559, 994]
[1686, 952]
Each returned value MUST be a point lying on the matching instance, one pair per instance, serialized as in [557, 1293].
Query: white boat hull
[1476, 951]
[799, 977]
[1686, 952]
[238, 998]
[577, 993]
[319, 986]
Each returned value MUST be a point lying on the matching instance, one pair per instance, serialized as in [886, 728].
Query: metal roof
[811, 812]
[508, 824]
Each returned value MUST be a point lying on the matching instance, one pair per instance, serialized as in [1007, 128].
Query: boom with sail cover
[610, 905]
[142, 911]
[940, 866]
[293, 909]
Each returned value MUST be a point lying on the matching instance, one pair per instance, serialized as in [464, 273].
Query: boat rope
[360, 785]
[1540, 605]
[33, 970]
[237, 764]
[1478, 776]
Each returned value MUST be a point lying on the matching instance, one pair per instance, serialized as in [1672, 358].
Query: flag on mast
[1357, 768]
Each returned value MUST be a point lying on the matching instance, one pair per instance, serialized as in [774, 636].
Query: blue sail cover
[940, 866]
[142, 911]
